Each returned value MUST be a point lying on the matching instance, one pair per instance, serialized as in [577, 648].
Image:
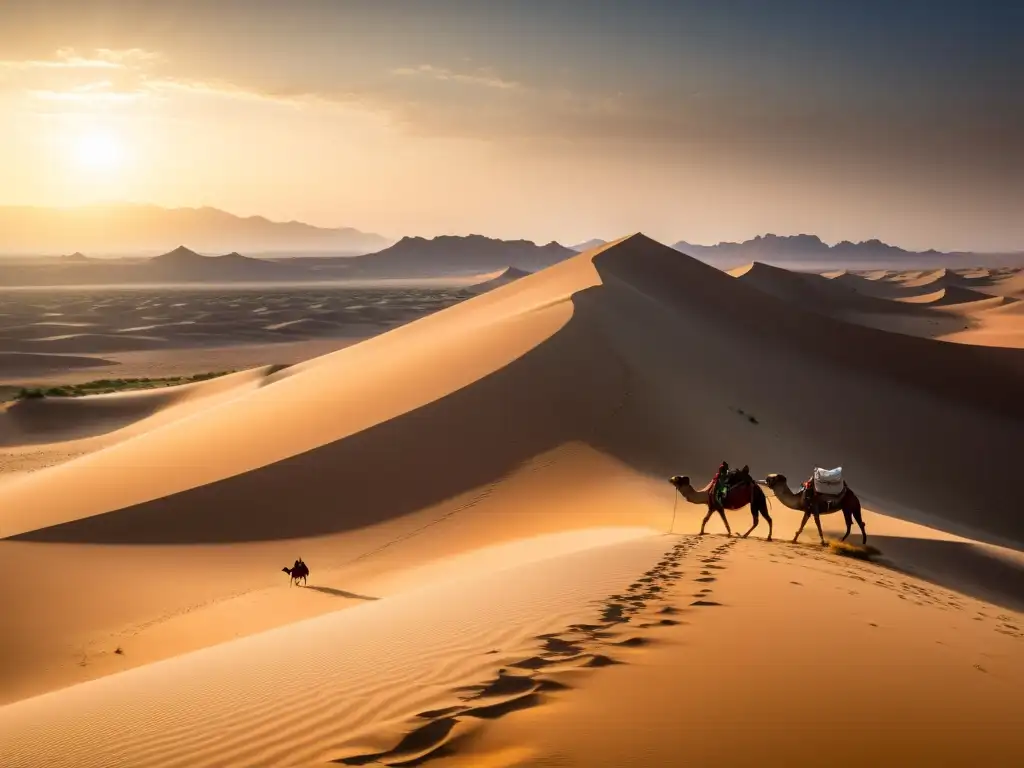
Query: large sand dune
[963, 306]
[840, 298]
[40, 433]
[553, 406]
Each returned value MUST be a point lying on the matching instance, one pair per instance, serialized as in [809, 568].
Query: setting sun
[98, 152]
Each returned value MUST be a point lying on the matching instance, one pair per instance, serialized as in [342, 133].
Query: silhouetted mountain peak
[458, 254]
[179, 255]
[772, 246]
[588, 245]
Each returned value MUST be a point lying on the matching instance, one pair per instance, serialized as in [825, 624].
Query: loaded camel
[817, 504]
[742, 490]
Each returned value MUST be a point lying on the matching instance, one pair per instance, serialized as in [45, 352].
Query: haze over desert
[364, 400]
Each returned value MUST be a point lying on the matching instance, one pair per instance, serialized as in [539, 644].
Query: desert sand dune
[873, 275]
[903, 286]
[880, 288]
[984, 300]
[557, 403]
[954, 295]
[686, 287]
[58, 419]
[16, 365]
[982, 280]
[656, 709]
[1010, 285]
[85, 343]
[948, 310]
[185, 361]
[40, 433]
[107, 322]
[998, 326]
[935, 279]
[834, 296]
[534, 650]
[43, 330]
[498, 279]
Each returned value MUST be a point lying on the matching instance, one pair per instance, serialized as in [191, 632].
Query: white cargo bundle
[828, 481]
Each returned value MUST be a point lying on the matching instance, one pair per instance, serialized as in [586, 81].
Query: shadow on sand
[963, 567]
[339, 593]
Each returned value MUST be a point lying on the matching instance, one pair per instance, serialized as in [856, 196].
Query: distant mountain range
[147, 230]
[452, 255]
[412, 257]
[594, 243]
[178, 266]
[184, 265]
[811, 249]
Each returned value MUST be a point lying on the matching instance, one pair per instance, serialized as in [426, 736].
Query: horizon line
[393, 240]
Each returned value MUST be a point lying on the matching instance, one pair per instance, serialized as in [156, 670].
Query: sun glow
[98, 152]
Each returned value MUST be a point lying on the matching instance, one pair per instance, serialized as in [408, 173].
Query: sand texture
[500, 573]
[47, 330]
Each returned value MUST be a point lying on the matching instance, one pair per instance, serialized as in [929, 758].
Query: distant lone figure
[298, 571]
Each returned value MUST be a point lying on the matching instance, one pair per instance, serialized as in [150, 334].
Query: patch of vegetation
[109, 386]
[853, 550]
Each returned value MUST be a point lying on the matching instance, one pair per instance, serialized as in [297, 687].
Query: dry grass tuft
[853, 550]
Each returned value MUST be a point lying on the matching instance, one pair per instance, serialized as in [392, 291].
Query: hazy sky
[541, 119]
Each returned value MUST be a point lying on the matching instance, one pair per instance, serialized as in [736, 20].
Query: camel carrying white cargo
[828, 481]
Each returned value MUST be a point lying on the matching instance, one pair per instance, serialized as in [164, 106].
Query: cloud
[482, 78]
[447, 99]
[68, 58]
[94, 92]
[103, 75]
[427, 99]
[108, 76]
[169, 86]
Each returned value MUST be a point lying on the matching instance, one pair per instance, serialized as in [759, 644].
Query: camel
[738, 496]
[846, 502]
[299, 571]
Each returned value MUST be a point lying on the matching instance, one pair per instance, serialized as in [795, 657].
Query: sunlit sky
[541, 119]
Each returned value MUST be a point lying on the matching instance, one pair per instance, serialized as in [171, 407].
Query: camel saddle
[736, 477]
[829, 482]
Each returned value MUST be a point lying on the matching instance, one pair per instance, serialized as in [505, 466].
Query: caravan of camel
[824, 493]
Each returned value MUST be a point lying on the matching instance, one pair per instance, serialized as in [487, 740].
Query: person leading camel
[810, 494]
[740, 491]
[720, 483]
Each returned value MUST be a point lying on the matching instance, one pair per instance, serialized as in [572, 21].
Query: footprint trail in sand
[529, 681]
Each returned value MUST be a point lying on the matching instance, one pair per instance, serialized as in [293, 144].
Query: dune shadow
[962, 567]
[338, 592]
